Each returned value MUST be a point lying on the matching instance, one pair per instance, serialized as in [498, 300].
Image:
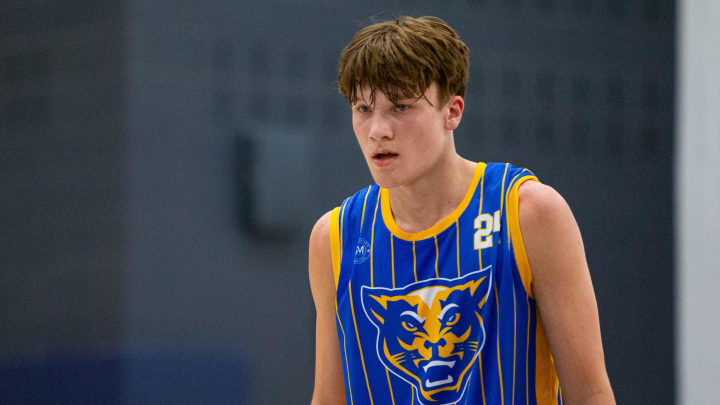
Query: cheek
[359, 127]
[431, 131]
[429, 142]
[355, 127]
[359, 134]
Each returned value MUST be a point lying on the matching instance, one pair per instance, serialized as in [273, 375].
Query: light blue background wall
[697, 217]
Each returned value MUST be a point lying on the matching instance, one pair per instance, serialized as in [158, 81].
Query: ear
[481, 291]
[375, 305]
[479, 288]
[454, 111]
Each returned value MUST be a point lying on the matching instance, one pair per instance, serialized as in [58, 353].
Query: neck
[424, 202]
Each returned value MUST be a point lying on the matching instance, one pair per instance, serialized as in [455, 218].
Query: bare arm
[329, 385]
[564, 294]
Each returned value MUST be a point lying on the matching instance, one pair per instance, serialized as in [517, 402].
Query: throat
[417, 217]
[421, 206]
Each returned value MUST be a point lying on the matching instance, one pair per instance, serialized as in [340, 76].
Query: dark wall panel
[130, 230]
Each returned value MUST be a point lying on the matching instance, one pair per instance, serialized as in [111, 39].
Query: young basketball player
[448, 281]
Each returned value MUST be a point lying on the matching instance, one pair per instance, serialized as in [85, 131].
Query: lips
[383, 154]
[383, 157]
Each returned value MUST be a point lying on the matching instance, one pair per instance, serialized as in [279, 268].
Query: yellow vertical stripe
[392, 258]
[512, 181]
[514, 342]
[527, 355]
[516, 240]
[336, 241]
[482, 192]
[347, 368]
[357, 335]
[335, 244]
[511, 190]
[480, 266]
[497, 307]
[362, 218]
[392, 397]
[437, 252]
[546, 381]
[482, 379]
[457, 245]
[502, 189]
[342, 216]
[372, 241]
[414, 262]
[412, 399]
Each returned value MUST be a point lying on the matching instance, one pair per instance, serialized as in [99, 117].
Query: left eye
[401, 107]
[454, 318]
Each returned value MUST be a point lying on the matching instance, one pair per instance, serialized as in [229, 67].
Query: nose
[380, 128]
[435, 346]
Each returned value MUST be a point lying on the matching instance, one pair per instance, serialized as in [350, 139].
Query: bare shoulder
[539, 203]
[551, 235]
[320, 235]
[320, 256]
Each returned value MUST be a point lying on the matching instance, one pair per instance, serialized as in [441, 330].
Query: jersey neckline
[441, 225]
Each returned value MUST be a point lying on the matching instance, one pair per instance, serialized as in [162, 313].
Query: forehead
[372, 94]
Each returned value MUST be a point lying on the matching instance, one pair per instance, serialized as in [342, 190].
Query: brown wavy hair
[402, 58]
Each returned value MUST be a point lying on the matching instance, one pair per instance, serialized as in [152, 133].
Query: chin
[395, 177]
[386, 181]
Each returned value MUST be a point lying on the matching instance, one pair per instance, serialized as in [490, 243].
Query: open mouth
[438, 373]
[384, 156]
[436, 363]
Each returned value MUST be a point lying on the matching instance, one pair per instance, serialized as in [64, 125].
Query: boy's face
[403, 142]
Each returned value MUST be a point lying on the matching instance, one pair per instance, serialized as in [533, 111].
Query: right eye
[363, 108]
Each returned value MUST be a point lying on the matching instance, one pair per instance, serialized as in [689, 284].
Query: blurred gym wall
[163, 164]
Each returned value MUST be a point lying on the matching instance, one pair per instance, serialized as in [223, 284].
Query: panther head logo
[430, 332]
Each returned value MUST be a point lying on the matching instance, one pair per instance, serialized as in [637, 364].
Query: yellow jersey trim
[357, 336]
[442, 224]
[372, 244]
[362, 218]
[347, 367]
[518, 245]
[546, 380]
[335, 248]
[499, 362]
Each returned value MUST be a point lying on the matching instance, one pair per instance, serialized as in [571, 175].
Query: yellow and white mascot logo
[431, 332]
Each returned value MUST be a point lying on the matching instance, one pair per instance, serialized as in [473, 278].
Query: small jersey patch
[362, 251]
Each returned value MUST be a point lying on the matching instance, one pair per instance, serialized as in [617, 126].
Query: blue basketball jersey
[446, 315]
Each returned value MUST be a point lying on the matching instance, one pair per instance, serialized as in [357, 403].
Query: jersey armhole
[516, 238]
[335, 243]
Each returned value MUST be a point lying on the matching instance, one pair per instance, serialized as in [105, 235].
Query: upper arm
[563, 292]
[329, 386]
